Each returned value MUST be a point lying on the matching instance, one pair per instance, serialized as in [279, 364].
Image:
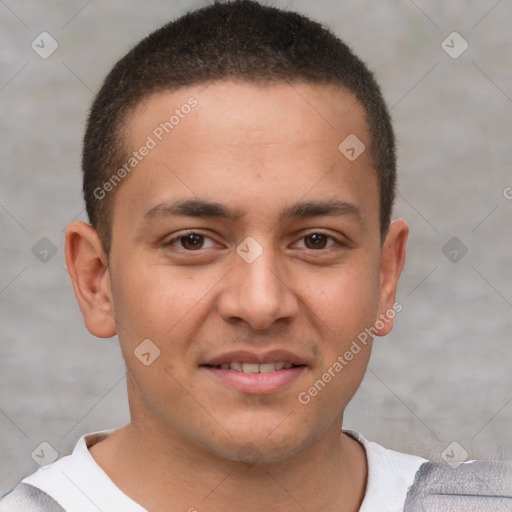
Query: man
[239, 175]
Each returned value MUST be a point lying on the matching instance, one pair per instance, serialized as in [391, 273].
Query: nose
[257, 293]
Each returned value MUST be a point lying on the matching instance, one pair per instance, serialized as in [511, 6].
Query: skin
[256, 149]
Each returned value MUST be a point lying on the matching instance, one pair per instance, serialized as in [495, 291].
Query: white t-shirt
[78, 484]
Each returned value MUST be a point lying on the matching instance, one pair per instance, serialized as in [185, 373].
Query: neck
[157, 468]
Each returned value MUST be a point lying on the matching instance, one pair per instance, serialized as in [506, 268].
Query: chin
[263, 451]
[267, 445]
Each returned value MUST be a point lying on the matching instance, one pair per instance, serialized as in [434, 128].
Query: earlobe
[87, 265]
[392, 264]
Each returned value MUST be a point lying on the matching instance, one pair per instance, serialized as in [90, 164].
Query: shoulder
[407, 483]
[25, 497]
[75, 482]
[51, 485]
[474, 485]
[390, 475]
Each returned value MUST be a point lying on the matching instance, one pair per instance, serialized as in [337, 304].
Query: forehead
[260, 111]
[245, 142]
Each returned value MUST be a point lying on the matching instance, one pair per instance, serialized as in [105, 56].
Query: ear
[392, 262]
[88, 268]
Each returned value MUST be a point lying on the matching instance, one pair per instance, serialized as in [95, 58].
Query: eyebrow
[209, 209]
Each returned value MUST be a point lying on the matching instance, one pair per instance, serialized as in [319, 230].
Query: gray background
[443, 375]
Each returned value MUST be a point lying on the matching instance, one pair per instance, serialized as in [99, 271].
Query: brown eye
[317, 241]
[192, 241]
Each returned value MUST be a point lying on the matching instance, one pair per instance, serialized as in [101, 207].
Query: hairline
[124, 122]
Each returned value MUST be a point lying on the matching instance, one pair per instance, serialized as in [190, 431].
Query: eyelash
[169, 243]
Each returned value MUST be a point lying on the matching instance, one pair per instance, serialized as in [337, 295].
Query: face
[246, 248]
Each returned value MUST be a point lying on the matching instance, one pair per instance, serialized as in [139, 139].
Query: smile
[254, 378]
[255, 367]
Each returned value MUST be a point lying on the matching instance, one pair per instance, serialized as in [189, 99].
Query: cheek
[346, 308]
[347, 299]
[158, 302]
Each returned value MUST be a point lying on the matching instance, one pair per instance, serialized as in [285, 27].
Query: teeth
[255, 367]
[250, 367]
[267, 367]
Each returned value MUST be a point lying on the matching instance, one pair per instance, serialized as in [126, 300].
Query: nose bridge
[256, 292]
[261, 277]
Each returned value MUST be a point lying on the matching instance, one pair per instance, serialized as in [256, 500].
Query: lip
[245, 356]
[256, 383]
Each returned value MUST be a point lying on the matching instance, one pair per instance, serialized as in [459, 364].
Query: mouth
[256, 374]
[255, 367]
